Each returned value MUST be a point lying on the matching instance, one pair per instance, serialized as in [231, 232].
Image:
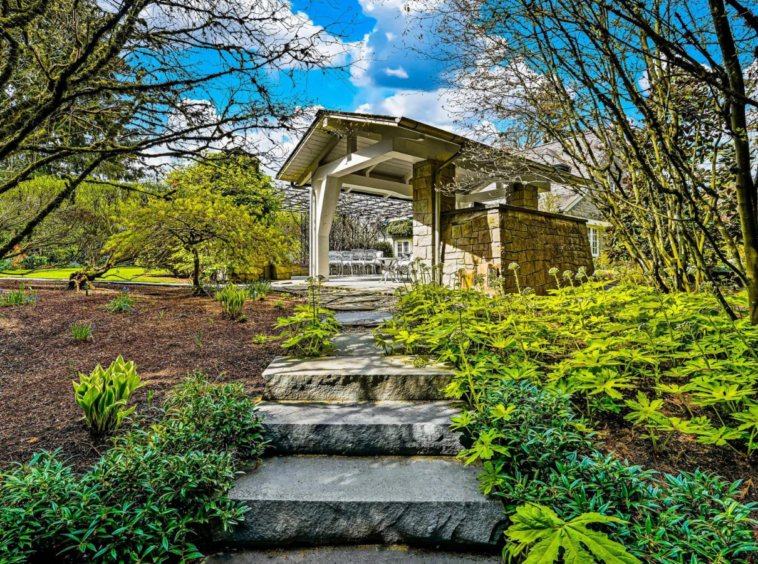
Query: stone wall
[470, 240]
[492, 237]
[423, 205]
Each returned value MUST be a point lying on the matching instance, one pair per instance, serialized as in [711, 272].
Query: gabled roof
[326, 141]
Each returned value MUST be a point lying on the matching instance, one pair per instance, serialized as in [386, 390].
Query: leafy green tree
[201, 224]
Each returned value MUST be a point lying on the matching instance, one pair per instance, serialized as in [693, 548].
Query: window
[403, 247]
[594, 235]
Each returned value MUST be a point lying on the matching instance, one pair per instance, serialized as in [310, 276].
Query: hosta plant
[104, 394]
[232, 300]
[258, 289]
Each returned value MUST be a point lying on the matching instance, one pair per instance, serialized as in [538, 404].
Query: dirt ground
[169, 334]
[682, 454]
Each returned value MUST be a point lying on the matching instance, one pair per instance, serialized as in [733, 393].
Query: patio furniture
[358, 263]
[347, 261]
[371, 260]
[389, 268]
[335, 262]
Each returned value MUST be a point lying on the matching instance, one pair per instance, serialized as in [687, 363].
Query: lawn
[125, 274]
[168, 335]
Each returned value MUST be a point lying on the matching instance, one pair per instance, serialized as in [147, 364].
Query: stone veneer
[492, 237]
[423, 205]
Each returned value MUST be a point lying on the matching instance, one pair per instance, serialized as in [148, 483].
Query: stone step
[361, 428]
[351, 555]
[319, 500]
[369, 378]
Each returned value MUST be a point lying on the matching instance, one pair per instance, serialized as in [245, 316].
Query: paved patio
[361, 283]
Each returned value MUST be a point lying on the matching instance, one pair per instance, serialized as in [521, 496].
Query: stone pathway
[361, 453]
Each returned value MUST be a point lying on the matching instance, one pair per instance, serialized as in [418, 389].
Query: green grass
[125, 274]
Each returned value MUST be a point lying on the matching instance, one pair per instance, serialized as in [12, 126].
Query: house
[399, 231]
[475, 207]
[568, 200]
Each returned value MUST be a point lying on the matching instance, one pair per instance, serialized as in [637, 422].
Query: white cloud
[398, 72]
[430, 107]
[389, 35]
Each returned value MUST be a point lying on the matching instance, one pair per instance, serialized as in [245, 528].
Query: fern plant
[104, 394]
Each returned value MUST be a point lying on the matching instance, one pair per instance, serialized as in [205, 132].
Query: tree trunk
[84, 278]
[746, 192]
[196, 272]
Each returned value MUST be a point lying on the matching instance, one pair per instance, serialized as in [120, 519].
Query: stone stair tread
[326, 500]
[361, 428]
[363, 378]
[361, 479]
[351, 555]
[359, 412]
[398, 365]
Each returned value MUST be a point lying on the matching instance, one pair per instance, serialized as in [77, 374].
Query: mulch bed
[169, 334]
[682, 454]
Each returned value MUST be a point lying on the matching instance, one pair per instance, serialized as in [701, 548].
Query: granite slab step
[369, 378]
[320, 500]
[351, 555]
[361, 428]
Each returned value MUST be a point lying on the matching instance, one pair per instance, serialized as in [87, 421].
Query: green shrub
[400, 228]
[104, 394]
[22, 296]
[81, 331]
[526, 365]
[123, 303]
[232, 300]
[258, 289]
[385, 247]
[150, 496]
[308, 332]
[279, 304]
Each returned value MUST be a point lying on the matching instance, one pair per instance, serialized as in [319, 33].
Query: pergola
[375, 156]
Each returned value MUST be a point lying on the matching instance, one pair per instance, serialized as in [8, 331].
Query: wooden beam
[306, 176]
[377, 185]
[363, 158]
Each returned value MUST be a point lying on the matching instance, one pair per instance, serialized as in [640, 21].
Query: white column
[312, 214]
[326, 193]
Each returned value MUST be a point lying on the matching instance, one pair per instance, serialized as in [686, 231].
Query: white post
[326, 193]
[313, 213]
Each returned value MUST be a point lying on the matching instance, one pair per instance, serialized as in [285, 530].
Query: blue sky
[388, 77]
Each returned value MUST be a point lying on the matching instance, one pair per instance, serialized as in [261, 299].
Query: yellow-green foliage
[672, 364]
[104, 394]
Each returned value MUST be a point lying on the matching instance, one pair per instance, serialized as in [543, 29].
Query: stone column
[424, 196]
[522, 196]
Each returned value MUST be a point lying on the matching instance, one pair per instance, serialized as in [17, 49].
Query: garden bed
[169, 334]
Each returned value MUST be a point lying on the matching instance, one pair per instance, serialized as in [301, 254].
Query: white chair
[358, 263]
[335, 261]
[371, 258]
[347, 261]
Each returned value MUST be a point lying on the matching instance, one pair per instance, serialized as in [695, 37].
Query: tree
[653, 101]
[199, 226]
[116, 90]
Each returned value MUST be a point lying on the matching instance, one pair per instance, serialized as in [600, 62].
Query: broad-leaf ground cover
[542, 376]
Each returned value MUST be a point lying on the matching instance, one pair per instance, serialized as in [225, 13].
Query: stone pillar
[522, 196]
[424, 196]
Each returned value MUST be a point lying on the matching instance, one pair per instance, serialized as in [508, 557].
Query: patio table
[387, 267]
